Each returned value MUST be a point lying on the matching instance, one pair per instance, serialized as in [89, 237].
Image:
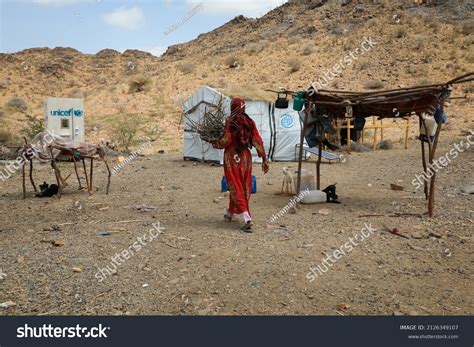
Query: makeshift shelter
[50, 148]
[319, 105]
[280, 128]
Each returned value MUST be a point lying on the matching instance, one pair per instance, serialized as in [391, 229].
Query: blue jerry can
[224, 187]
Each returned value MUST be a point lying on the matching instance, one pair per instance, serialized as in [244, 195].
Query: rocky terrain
[288, 47]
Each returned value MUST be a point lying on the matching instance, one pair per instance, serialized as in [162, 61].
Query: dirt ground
[201, 265]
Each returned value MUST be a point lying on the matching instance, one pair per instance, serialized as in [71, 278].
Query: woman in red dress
[240, 135]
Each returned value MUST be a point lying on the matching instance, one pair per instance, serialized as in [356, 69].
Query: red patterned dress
[240, 133]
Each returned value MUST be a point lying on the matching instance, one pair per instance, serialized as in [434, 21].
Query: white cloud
[156, 50]
[125, 18]
[248, 8]
[58, 2]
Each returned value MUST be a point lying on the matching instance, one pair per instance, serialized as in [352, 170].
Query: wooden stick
[318, 168]
[407, 132]
[85, 173]
[31, 176]
[108, 176]
[91, 172]
[24, 180]
[431, 199]
[300, 158]
[75, 169]
[374, 121]
[423, 158]
[56, 173]
[348, 120]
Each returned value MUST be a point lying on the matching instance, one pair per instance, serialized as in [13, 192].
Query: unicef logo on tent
[287, 121]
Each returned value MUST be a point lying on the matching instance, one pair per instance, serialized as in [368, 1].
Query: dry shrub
[232, 62]
[139, 83]
[186, 68]
[16, 104]
[77, 93]
[257, 47]
[125, 130]
[33, 126]
[400, 32]
[294, 64]
[374, 84]
[308, 49]
[4, 84]
[5, 136]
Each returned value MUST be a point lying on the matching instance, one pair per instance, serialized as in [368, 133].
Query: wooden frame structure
[66, 154]
[396, 103]
[375, 126]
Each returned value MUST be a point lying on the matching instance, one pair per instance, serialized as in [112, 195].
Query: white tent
[280, 129]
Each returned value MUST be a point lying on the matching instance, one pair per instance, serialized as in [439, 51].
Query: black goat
[47, 191]
[331, 195]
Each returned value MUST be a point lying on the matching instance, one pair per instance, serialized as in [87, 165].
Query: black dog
[331, 195]
[47, 191]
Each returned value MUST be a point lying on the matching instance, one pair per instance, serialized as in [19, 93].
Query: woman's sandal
[247, 227]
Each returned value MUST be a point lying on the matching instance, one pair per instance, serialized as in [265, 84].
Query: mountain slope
[290, 46]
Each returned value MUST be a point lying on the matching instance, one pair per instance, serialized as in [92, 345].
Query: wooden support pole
[431, 199]
[92, 173]
[423, 158]
[85, 173]
[338, 128]
[77, 173]
[108, 177]
[32, 181]
[24, 180]
[407, 132]
[307, 110]
[56, 173]
[318, 168]
[348, 123]
[381, 130]
[374, 122]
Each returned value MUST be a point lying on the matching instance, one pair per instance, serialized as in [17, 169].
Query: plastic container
[225, 188]
[314, 197]
[307, 181]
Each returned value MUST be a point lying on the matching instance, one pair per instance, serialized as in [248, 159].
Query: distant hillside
[288, 47]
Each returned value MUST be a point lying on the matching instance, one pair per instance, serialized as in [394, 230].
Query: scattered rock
[385, 145]
[435, 234]
[417, 235]
[58, 243]
[3, 276]
[146, 285]
[397, 187]
[342, 307]
[77, 205]
[324, 211]
[142, 208]
[76, 269]
[468, 189]
[7, 304]
[103, 233]
[360, 148]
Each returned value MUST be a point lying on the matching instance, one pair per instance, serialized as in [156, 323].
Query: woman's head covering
[241, 124]
[237, 107]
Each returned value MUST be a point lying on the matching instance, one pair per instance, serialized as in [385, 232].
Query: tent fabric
[279, 129]
[44, 144]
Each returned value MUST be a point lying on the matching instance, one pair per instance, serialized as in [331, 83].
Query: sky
[92, 25]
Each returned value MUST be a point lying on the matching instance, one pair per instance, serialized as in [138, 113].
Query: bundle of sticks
[212, 125]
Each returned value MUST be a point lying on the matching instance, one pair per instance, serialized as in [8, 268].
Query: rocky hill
[291, 46]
